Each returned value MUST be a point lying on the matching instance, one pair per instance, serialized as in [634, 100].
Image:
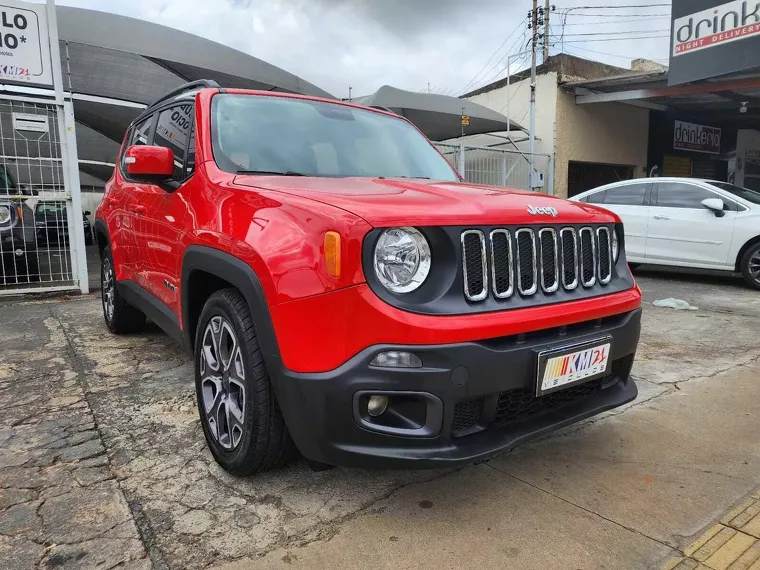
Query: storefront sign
[24, 46]
[713, 37]
[696, 138]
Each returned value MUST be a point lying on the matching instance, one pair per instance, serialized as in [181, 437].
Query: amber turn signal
[332, 253]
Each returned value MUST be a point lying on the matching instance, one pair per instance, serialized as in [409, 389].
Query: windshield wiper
[271, 172]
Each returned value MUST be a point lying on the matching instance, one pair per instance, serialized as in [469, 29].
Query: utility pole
[547, 11]
[533, 42]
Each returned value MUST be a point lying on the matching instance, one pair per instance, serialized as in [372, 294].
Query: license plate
[560, 368]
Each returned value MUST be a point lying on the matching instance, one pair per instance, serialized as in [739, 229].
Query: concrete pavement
[630, 489]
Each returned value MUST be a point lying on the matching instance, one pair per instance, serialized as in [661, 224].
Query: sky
[447, 46]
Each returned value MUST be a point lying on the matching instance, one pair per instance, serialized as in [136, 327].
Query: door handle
[661, 218]
[138, 209]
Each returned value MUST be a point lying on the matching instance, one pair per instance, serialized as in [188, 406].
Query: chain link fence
[500, 167]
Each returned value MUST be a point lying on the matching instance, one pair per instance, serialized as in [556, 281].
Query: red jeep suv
[346, 294]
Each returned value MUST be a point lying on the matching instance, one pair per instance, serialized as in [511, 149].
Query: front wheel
[241, 420]
[750, 266]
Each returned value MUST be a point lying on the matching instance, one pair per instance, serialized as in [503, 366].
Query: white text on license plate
[562, 370]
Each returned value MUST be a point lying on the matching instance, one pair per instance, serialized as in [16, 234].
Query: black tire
[123, 318]
[749, 266]
[23, 270]
[263, 440]
[32, 268]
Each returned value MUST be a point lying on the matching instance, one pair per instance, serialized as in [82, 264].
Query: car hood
[387, 202]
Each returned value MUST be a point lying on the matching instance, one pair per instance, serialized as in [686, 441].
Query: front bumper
[471, 400]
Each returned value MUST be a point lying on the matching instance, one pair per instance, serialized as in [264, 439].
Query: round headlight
[5, 214]
[402, 259]
[615, 245]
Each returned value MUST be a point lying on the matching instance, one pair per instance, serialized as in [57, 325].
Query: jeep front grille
[474, 265]
[528, 260]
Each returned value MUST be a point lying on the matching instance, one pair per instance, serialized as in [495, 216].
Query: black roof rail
[192, 86]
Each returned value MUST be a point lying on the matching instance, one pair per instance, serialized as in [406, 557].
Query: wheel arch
[750, 242]
[206, 270]
[102, 237]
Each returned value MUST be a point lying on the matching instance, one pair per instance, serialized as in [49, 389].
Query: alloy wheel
[223, 383]
[108, 289]
[753, 267]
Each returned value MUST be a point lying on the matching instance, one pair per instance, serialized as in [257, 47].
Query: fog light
[377, 405]
[396, 359]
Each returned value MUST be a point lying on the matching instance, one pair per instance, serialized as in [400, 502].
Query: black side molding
[241, 276]
[153, 307]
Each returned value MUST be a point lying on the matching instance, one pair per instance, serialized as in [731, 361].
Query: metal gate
[41, 223]
[501, 167]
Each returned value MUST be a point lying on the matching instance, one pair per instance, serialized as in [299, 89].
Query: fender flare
[101, 227]
[241, 276]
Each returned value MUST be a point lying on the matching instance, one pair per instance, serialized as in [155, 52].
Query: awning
[438, 116]
[114, 66]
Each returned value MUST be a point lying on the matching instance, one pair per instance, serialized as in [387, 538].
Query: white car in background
[686, 222]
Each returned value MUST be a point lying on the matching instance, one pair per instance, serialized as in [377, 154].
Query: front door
[161, 211]
[682, 231]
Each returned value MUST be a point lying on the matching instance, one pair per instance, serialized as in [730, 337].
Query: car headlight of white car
[5, 215]
[402, 259]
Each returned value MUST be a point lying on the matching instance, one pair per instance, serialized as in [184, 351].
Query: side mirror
[716, 205]
[87, 213]
[152, 164]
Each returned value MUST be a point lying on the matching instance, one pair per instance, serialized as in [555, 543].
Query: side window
[140, 132]
[596, 197]
[137, 136]
[173, 130]
[627, 195]
[682, 195]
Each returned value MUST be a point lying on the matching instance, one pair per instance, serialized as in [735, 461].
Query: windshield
[276, 135]
[745, 193]
[51, 209]
[7, 184]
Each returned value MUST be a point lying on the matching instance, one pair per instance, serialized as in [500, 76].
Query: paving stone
[19, 554]
[727, 554]
[83, 514]
[753, 526]
[10, 497]
[194, 522]
[82, 436]
[20, 520]
[750, 557]
[93, 554]
[86, 450]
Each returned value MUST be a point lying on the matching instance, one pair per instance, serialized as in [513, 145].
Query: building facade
[591, 144]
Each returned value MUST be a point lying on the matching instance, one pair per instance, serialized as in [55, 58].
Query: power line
[617, 39]
[506, 55]
[474, 78]
[618, 15]
[615, 54]
[616, 33]
[614, 22]
[620, 7]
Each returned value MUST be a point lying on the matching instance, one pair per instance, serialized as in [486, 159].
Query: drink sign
[24, 47]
